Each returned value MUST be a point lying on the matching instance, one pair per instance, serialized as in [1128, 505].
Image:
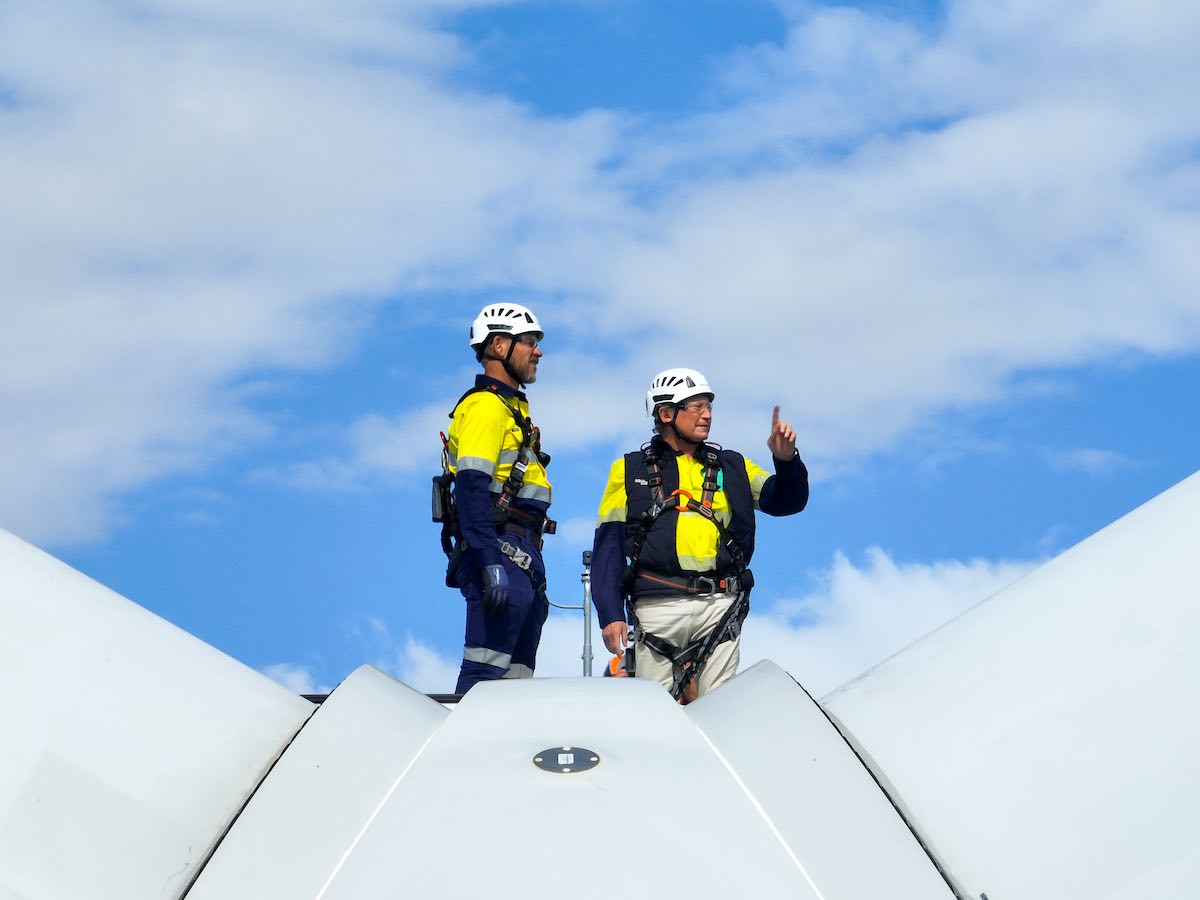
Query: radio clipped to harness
[443, 489]
[445, 513]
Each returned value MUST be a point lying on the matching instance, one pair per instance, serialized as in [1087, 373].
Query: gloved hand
[495, 587]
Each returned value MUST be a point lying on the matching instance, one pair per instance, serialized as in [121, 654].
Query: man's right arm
[608, 557]
[480, 428]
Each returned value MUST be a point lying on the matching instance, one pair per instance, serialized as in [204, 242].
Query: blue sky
[243, 244]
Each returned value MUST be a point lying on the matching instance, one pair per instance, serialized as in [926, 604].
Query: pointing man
[675, 535]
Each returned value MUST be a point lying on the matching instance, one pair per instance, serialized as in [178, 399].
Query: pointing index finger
[775, 418]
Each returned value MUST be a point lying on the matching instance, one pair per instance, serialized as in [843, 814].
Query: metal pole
[586, 578]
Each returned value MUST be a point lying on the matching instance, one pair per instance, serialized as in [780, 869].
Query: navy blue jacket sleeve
[785, 492]
[608, 563]
[474, 503]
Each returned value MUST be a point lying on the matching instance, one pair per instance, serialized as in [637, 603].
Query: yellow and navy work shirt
[485, 440]
[684, 542]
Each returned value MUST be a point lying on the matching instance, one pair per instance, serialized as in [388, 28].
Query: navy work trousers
[502, 644]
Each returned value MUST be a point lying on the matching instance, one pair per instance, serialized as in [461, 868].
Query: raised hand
[783, 438]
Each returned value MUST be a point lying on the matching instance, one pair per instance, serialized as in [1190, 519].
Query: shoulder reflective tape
[534, 492]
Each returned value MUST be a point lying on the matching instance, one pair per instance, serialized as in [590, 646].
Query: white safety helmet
[502, 318]
[675, 386]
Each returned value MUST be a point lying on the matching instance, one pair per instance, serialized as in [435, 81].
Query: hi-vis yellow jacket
[684, 542]
[485, 441]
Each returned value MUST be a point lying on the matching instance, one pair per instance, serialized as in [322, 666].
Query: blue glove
[495, 587]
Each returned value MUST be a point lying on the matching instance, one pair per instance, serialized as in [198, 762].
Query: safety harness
[506, 516]
[690, 660]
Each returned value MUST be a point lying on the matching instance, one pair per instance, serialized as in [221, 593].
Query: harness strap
[700, 584]
[661, 504]
[524, 562]
[690, 660]
[531, 446]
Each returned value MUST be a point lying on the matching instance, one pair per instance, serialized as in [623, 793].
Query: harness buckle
[703, 581]
[519, 557]
[681, 493]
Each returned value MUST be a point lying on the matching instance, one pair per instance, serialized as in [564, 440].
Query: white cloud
[882, 222]
[863, 614]
[1090, 461]
[859, 616]
[195, 193]
[577, 532]
[376, 446]
[421, 667]
[296, 678]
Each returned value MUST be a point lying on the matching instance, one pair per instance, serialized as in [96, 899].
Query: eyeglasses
[529, 339]
[697, 406]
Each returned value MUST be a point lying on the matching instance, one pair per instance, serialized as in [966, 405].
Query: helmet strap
[512, 345]
[687, 442]
[487, 352]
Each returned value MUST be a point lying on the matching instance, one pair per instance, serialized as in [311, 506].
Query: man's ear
[492, 349]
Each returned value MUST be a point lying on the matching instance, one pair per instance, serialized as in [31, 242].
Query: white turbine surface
[1045, 742]
[1039, 746]
[127, 746]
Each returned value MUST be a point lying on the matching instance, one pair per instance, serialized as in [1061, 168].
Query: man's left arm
[785, 492]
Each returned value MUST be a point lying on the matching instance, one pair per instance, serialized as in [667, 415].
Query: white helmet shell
[674, 386]
[503, 318]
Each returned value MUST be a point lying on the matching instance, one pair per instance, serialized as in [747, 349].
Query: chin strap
[507, 362]
[675, 428]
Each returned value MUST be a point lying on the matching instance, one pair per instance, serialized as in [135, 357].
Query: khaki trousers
[681, 619]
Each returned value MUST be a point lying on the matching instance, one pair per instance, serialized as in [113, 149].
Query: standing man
[501, 496]
[675, 535]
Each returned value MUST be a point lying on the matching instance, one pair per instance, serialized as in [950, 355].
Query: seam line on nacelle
[895, 804]
[762, 813]
[371, 819]
[246, 803]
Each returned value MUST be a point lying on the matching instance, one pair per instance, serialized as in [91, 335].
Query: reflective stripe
[758, 477]
[697, 563]
[484, 437]
[476, 464]
[618, 514]
[516, 670]
[487, 657]
[534, 492]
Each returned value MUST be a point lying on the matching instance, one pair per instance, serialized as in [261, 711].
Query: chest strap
[682, 501]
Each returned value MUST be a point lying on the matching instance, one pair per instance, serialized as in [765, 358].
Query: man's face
[694, 419]
[525, 356]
